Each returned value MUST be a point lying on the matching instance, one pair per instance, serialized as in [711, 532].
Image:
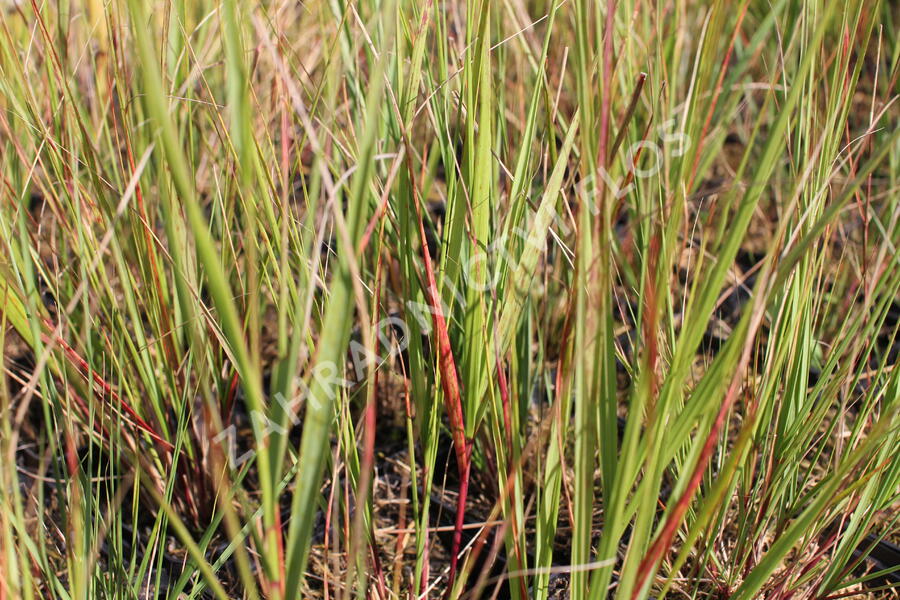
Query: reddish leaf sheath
[452, 399]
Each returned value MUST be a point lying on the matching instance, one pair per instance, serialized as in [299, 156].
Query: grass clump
[467, 299]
